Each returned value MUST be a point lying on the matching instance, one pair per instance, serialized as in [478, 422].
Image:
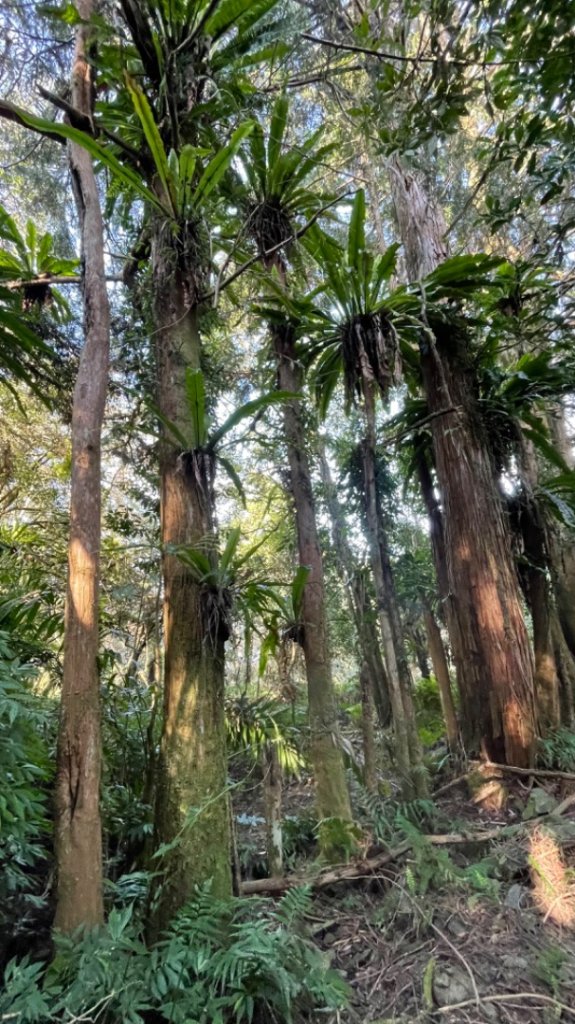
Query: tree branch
[361, 868]
[30, 282]
[11, 112]
[76, 118]
[270, 252]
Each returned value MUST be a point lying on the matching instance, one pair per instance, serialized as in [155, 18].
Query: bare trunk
[499, 704]
[367, 730]
[191, 800]
[358, 598]
[420, 650]
[562, 546]
[78, 837]
[273, 809]
[408, 751]
[437, 539]
[441, 672]
[533, 574]
[326, 756]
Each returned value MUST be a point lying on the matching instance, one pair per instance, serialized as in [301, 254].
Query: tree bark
[273, 808]
[437, 540]
[420, 649]
[441, 672]
[191, 801]
[367, 730]
[561, 545]
[359, 601]
[537, 591]
[498, 692]
[78, 835]
[326, 756]
[408, 750]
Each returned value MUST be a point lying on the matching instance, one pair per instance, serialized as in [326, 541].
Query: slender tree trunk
[533, 575]
[78, 837]
[420, 649]
[358, 598]
[326, 756]
[441, 672]
[437, 539]
[408, 750]
[367, 730]
[273, 809]
[499, 704]
[566, 670]
[191, 799]
[561, 545]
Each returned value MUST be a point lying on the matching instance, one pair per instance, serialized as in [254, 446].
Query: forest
[287, 511]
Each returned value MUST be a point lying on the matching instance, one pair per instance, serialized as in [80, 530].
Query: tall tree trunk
[499, 703]
[561, 544]
[326, 755]
[441, 672]
[537, 591]
[78, 837]
[358, 598]
[191, 800]
[272, 784]
[408, 750]
[420, 649]
[437, 539]
[367, 730]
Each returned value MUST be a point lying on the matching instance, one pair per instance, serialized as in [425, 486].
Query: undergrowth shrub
[221, 962]
[25, 776]
[430, 720]
[558, 750]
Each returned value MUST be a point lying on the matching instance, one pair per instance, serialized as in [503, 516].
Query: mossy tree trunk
[78, 837]
[191, 797]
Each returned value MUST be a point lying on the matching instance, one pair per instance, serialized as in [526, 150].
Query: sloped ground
[462, 933]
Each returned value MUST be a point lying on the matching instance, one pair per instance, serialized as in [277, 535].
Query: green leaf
[172, 428]
[242, 14]
[383, 269]
[31, 242]
[356, 235]
[230, 549]
[44, 254]
[297, 588]
[258, 157]
[276, 137]
[186, 170]
[153, 139]
[125, 174]
[232, 472]
[196, 398]
[246, 411]
[217, 167]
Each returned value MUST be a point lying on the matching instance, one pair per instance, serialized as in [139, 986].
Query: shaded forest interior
[287, 511]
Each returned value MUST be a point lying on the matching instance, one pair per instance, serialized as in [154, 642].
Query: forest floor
[474, 932]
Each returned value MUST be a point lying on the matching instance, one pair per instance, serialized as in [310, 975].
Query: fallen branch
[542, 773]
[361, 868]
[508, 997]
[371, 865]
